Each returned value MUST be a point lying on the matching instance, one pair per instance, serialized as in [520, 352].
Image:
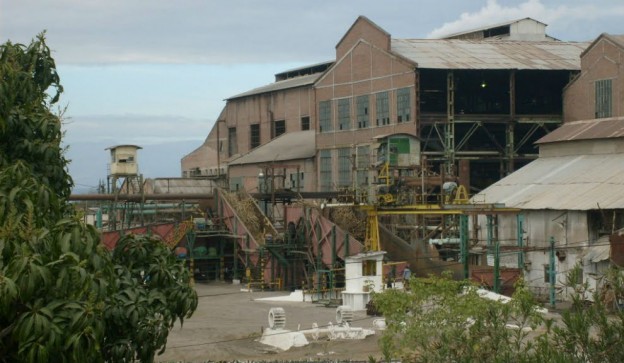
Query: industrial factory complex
[495, 154]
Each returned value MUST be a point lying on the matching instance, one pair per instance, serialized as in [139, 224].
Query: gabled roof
[289, 146]
[281, 85]
[489, 54]
[362, 18]
[617, 39]
[604, 128]
[571, 182]
[486, 27]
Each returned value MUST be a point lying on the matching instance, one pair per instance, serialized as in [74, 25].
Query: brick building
[476, 102]
[573, 193]
[598, 91]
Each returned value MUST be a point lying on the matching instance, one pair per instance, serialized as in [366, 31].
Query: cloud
[560, 17]
[179, 32]
[139, 130]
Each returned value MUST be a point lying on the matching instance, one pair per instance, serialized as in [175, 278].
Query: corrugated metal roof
[315, 65]
[182, 186]
[485, 27]
[574, 182]
[280, 85]
[488, 54]
[603, 128]
[290, 146]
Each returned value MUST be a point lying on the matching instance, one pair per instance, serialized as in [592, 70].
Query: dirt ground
[228, 322]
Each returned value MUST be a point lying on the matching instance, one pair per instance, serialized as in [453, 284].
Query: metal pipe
[139, 197]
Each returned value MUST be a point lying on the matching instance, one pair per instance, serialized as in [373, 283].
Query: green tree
[63, 296]
[588, 331]
[442, 320]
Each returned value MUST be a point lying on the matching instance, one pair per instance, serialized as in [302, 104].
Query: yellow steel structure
[456, 204]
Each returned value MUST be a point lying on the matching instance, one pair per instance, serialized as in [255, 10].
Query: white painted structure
[363, 274]
[574, 194]
[124, 161]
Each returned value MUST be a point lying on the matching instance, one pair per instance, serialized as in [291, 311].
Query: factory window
[296, 180]
[326, 170]
[547, 273]
[305, 123]
[603, 98]
[254, 132]
[403, 105]
[344, 167]
[363, 161]
[232, 143]
[383, 110]
[362, 111]
[344, 114]
[325, 121]
[236, 184]
[279, 127]
[497, 32]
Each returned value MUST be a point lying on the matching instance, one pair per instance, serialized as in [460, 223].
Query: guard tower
[123, 170]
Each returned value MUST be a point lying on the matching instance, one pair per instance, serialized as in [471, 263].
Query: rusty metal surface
[573, 182]
[588, 129]
[139, 197]
[484, 276]
[617, 250]
[323, 240]
[488, 54]
[109, 238]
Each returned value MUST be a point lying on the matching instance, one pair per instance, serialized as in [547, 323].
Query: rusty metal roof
[489, 54]
[289, 146]
[604, 128]
[280, 85]
[572, 182]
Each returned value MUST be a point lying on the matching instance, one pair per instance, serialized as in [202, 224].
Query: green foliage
[63, 296]
[153, 291]
[28, 130]
[442, 320]
[589, 332]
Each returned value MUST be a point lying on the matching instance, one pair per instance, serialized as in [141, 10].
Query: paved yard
[228, 322]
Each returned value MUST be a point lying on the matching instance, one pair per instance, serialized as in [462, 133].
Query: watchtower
[124, 167]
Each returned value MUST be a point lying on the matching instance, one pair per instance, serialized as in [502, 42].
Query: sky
[155, 73]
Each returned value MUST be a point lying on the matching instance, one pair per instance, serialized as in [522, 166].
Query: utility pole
[520, 227]
[552, 271]
[497, 268]
[464, 248]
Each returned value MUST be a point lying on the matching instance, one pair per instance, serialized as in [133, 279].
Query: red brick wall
[604, 60]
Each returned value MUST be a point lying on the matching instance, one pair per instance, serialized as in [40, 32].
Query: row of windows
[346, 163]
[362, 114]
[277, 128]
[362, 117]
